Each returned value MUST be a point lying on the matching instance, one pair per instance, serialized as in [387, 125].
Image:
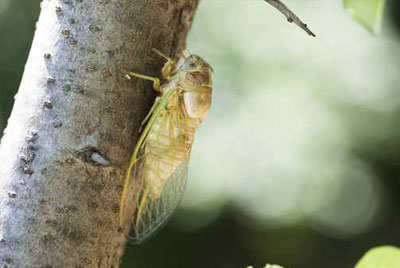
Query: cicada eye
[192, 65]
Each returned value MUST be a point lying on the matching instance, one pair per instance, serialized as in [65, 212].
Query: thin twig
[291, 17]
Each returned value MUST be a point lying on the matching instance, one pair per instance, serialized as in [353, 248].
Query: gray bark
[290, 16]
[73, 127]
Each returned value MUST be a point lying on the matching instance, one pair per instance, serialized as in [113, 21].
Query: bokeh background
[298, 160]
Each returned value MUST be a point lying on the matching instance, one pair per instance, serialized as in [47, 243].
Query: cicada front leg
[168, 67]
[155, 80]
[166, 71]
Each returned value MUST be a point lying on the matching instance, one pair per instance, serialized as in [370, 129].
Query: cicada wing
[132, 184]
[152, 213]
[161, 172]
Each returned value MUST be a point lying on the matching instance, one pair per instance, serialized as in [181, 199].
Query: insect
[158, 167]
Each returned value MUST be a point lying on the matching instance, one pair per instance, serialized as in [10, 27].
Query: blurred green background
[298, 160]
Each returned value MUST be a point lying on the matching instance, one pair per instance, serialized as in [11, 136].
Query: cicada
[159, 163]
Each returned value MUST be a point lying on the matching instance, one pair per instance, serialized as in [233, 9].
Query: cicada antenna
[158, 52]
[169, 66]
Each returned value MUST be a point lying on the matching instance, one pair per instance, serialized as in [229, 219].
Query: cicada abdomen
[158, 170]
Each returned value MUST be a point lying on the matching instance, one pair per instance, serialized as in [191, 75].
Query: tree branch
[74, 123]
[290, 16]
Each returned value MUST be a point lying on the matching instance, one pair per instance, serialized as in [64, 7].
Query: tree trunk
[73, 127]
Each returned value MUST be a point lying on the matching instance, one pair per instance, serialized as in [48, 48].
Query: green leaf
[380, 257]
[368, 13]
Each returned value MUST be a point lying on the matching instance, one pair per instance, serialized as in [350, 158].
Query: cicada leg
[155, 80]
[141, 206]
[150, 113]
[168, 67]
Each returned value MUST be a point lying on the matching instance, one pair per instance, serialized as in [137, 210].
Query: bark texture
[74, 124]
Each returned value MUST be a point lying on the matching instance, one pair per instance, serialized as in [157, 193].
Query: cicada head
[197, 72]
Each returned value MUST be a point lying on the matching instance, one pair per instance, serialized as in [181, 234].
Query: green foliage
[381, 257]
[368, 13]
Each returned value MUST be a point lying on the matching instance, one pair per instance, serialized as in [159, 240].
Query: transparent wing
[160, 173]
[153, 213]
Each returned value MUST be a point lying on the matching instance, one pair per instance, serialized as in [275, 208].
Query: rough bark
[74, 124]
